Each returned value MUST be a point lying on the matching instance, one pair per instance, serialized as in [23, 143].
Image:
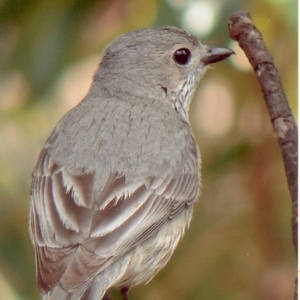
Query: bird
[115, 183]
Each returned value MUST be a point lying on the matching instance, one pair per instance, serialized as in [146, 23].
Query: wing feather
[111, 218]
[78, 233]
[74, 216]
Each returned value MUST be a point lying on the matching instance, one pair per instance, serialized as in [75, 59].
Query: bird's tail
[94, 290]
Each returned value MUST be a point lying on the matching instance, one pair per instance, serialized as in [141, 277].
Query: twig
[242, 29]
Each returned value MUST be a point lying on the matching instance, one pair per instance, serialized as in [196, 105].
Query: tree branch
[242, 29]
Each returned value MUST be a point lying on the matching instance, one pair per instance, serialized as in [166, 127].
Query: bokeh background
[239, 244]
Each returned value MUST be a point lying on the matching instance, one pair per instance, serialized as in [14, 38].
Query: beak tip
[216, 54]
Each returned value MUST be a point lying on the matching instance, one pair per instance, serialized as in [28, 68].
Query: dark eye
[182, 56]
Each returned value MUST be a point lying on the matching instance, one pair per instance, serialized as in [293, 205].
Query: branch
[242, 29]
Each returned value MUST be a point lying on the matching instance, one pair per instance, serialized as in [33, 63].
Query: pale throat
[183, 95]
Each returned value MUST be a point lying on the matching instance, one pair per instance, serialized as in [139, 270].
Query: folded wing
[78, 233]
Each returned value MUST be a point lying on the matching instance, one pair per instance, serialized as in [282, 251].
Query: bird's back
[104, 220]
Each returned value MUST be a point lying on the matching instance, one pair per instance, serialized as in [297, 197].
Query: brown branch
[242, 29]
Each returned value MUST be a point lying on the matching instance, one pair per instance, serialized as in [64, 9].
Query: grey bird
[114, 186]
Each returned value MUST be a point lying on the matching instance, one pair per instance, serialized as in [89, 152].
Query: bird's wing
[77, 233]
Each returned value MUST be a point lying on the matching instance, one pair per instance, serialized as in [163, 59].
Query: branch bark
[242, 29]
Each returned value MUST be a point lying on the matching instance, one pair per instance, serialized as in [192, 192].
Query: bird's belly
[144, 261]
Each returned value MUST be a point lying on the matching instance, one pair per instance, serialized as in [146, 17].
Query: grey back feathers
[113, 188]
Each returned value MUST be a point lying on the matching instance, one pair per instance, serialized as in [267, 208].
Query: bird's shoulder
[121, 136]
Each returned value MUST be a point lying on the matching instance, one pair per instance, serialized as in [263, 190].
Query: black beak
[216, 54]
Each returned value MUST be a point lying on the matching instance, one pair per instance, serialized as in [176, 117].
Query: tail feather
[91, 290]
[58, 293]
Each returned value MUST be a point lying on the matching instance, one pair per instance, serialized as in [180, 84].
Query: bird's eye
[182, 56]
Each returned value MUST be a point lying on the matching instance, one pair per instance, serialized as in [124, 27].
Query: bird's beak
[216, 54]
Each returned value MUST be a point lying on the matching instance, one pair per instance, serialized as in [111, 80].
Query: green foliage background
[239, 244]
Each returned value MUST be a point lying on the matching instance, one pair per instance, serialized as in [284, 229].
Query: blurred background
[239, 244]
